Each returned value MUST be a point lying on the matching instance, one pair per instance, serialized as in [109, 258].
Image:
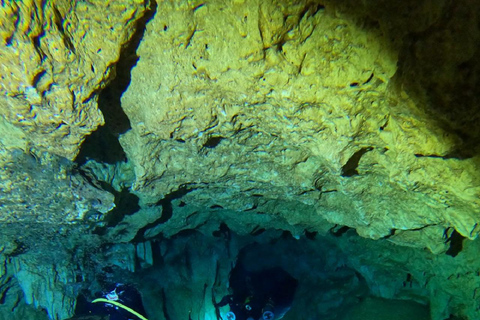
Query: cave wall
[303, 102]
[56, 56]
[305, 117]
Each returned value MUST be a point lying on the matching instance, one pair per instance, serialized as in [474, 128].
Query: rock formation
[347, 126]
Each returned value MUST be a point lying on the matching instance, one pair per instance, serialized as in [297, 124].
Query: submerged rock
[53, 66]
[297, 103]
[349, 128]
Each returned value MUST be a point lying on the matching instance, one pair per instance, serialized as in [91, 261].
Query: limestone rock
[53, 67]
[264, 119]
[121, 255]
[249, 103]
[43, 188]
[396, 310]
[15, 307]
[144, 253]
[449, 284]
[47, 287]
[319, 116]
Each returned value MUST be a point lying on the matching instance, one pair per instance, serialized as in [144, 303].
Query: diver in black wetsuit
[263, 295]
[124, 294]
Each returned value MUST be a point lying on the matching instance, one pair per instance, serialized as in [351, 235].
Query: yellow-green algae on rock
[56, 56]
[319, 104]
[283, 115]
[291, 92]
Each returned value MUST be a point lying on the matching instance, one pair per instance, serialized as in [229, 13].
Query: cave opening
[103, 145]
[188, 275]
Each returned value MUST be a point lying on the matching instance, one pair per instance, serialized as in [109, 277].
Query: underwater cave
[242, 160]
[190, 274]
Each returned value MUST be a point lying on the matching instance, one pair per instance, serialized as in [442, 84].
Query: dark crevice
[212, 142]
[20, 248]
[166, 203]
[310, 10]
[393, 231]
[187, 262]
[350, 168]
[8, 41]
[382, 127]
[82, 305]
[419, 155]
[286, 234]
[408, 281]
[92, 180]
[18, 302]
[157, 253]
[164, 305]
[254, 206]
[280, 44]
[58, 20]
[327, 191]
[357, 84]
[311, 235]
[456, 244]
[103, 145]
[257, 231]
[461, 154]
[167, 210]
[339, 231]
[223, 231]
[453, 317]
[198, 6]
[126, 203]
[37, 77]
[369, 79]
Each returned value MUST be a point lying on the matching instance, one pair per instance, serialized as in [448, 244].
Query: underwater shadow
[438, 61]
[103, 144]
[438, 68]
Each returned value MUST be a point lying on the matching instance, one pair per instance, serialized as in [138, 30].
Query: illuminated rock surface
[56, 56]
[341, 126]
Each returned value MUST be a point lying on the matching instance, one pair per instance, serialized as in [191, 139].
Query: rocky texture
[42, 188]
[373, 308]
[49, 288]
[53, 66]
[52, 70]
[36, 284]
[14, 305]
[448, 283]
[323, 120]
[190, 270]
[48, 210]
[292, 108]
[300, 103]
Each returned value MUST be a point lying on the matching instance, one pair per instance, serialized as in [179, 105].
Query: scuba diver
[263, 295]
[119, 302]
